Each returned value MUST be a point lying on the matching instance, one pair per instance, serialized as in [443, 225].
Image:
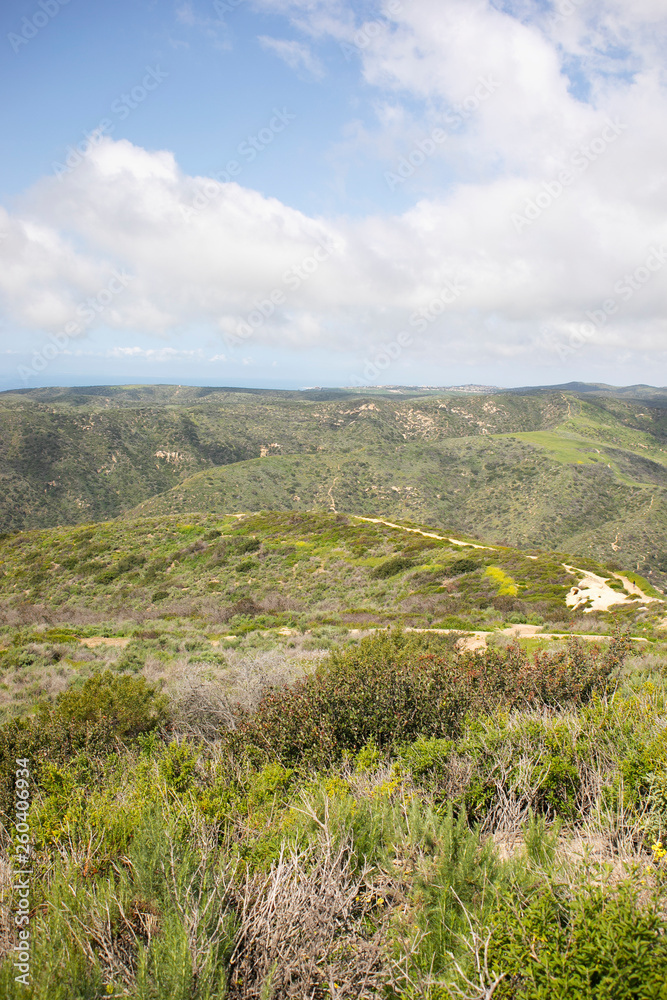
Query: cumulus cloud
[534, 150]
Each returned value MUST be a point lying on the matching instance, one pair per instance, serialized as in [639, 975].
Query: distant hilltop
[428, 388]
[639, 391]
[164, 393]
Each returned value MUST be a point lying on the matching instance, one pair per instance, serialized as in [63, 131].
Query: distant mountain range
[132, 392]
[598, 389]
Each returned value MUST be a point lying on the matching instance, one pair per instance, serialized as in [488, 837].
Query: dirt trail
[330, 495]
[426, 534]
[632, 588]
[100, 640]
[478, 640]
[595, 590]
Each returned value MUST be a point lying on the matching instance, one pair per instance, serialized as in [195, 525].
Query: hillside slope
[577, 472]
[70, 457]
[340, 568]
[514, 490]
[214, 719]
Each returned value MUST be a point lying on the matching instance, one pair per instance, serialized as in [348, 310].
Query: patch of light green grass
[563, 447]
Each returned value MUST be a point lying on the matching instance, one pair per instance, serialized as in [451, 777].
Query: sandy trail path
[632, 588]
[595, 589]
[426, 534]
[478, 640]
[100, 640]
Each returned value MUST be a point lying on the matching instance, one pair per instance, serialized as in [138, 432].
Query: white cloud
[212, 267]
[155, 354]
[213, 28]
[295, 54]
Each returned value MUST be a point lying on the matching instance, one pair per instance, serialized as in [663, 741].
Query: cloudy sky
[322, 192]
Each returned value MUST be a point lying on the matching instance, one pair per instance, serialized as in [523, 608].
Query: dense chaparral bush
[395, 687]
[107, 710]
[600, 942]
[398, 564]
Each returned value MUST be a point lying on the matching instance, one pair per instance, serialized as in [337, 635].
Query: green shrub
[390, 687]
[549, 787]
[270, 782]
[600, 943]
[18, 658]
[559, 784]
[454, 622]
[60, 635]
[463, 865]
[177, 766]
[132, 658]
[390, 567]
[89, 720]
[124, 565]
[395, 687]
[458, 878]
[243, 545]
[156, 923]
[461, 566]
[426, 758]
[130, 704]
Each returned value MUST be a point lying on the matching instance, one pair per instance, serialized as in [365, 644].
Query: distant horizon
[269, 385]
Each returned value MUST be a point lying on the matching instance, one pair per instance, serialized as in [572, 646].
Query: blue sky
[221, 86]
[420, 142]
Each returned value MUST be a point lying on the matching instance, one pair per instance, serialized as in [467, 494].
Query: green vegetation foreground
[404, 821]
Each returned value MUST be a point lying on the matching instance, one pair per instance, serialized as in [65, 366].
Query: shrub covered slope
[262, 763]
[403, 822]
[570, 470]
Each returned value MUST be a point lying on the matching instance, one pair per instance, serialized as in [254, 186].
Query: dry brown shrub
[25, 613]
[202, 709]
[8, 936]
[303, 930]
[252, 674]
[206, 697]
[276, 602]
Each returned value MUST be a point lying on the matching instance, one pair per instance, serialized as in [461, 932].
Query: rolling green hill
[68, 456]
[332, 566]
[575, 471]
[167, 587]
[588, 485]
